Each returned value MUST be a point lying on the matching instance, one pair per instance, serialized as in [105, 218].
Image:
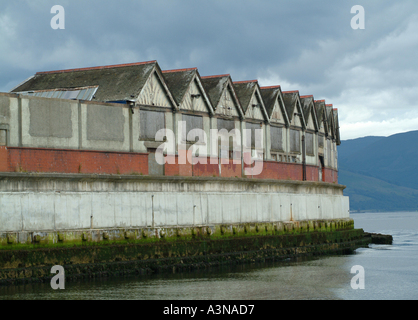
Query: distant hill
[381, 173]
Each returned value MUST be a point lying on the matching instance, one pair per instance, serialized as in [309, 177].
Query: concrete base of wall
[53, 202]
[88, 237]
[85, 262]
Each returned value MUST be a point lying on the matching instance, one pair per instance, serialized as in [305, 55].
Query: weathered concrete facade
[49, 149]
[42, 202]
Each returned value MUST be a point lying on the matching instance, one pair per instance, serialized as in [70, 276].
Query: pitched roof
[320, 113]
[215, 86]
[308, 107]
[330, 119]
[244, 91]
[337, 126]
[178, 81]
[116, 82]
[290, 99]
[270, 95]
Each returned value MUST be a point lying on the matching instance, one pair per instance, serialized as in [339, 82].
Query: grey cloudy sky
[370, 75]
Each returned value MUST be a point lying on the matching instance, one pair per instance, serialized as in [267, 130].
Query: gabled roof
[330, 118]
[292, 99]
[337, 127]
[320, 113]
[308, 107]
[270, 95]
[115, 82]
[215, 87]
[245, 91]
[179, 80]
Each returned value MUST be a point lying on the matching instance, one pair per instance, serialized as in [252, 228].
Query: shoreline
[171, 257]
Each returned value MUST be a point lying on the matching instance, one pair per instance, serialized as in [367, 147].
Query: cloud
[369, 75]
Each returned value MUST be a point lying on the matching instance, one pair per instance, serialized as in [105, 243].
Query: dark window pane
[150, 123]
[294, 141]
[276, 138]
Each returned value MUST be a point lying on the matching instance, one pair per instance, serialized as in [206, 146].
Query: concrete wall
[54, 202]
[43, 123]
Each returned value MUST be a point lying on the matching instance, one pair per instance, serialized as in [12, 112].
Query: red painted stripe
[178, 70]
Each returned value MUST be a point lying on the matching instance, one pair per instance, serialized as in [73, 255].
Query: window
[226, 124]
[294, 140]
[84, 93]
[276, 138]
[3, 137]
[320, 141]
[309, 144]
[150, 123]
[329, 152]
[250, 140]
[193, 122]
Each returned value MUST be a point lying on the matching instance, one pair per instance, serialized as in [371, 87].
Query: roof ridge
[307, 96]
[319, 100]
[294, 91]
[328, 105]
[178, 70]
[245, 81]
[216, 76]
[98, 67]
[271, 87]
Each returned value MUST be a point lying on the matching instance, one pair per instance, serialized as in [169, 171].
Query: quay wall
[41, 202]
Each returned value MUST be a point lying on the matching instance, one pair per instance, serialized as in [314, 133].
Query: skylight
[84, 93]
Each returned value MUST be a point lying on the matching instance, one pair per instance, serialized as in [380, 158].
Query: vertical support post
[304, 157]
[131, 143]
[153, 217]
[80, 127]
[19, 115]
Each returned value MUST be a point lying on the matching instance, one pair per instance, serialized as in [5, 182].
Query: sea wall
[164, 255]
[41, 202]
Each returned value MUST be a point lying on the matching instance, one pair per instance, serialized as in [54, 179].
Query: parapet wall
[41, 202]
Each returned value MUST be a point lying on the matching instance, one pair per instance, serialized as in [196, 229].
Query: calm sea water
[391, 272]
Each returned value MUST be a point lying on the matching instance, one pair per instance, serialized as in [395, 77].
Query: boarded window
[150, 123]
[193, 122]
[294, 141]
[329, 159]
[309, 144]
[276, 138]
[320, 142]
[250, 140]
[3, 137]
[226, 124]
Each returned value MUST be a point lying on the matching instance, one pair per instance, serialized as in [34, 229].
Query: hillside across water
[381, 173]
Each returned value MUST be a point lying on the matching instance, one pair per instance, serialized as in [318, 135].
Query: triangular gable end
[309, 113]
[330, 119]
[222, 94]
[188, 90]
[229, 103]
[274, 104]
[155, 91]
[337, 127]
[320, 112]
[255, 108]
[196, 98]
[294, 107]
